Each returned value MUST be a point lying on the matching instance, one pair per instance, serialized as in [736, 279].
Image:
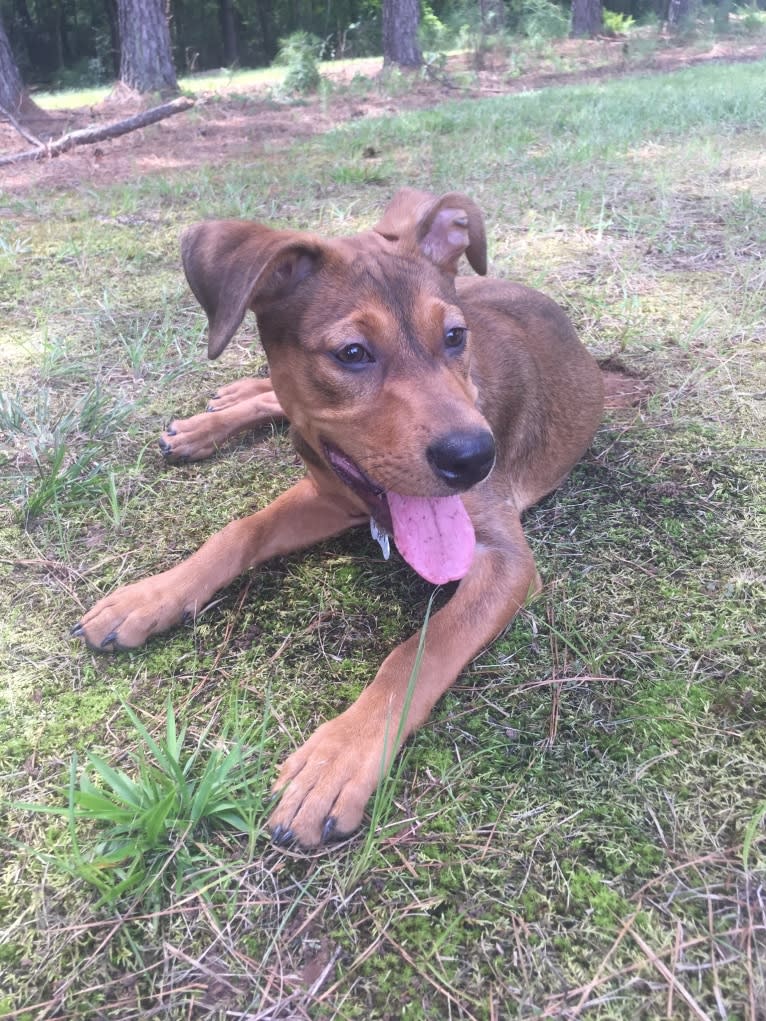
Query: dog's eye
[455, 338]
[354, 354]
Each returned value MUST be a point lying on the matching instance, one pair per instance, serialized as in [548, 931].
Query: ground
[229, 122]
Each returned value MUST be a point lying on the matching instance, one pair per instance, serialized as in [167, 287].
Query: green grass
[153, 823]
[224, 81]
[579, 829]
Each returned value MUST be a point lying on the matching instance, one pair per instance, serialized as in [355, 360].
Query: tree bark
[11, 89]
[587, 19]
[265, 13]
[678, 13]
[25, 115]
[400, 33]
[492, 15]
[228, 32]
[146, 62]
[721, 15]
[114, 37]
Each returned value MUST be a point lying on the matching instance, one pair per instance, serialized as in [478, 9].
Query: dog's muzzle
[462, 458]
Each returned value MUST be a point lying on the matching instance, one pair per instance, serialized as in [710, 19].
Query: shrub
[480, 38]
[616, 24]
[433, 34]
[299, 52]
[541, 19]
[85, 74]
[752, 20]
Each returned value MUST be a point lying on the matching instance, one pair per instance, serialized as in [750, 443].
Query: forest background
[76, 43]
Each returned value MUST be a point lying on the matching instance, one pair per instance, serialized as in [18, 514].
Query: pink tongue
[435, 536]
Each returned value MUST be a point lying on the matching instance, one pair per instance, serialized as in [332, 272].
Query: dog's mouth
[351, 475]
[433, 534]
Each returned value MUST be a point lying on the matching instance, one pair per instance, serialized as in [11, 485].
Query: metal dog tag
[381, 537]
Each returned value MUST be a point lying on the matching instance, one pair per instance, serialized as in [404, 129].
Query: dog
[433, 407]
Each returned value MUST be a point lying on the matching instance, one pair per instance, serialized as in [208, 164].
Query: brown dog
[438, 407]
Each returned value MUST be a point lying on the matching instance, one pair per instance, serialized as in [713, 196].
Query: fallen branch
[24, 132]
[87, 136]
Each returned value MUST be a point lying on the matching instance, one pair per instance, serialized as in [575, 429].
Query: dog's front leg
[298, 518]
[327, 782]
[245, 404]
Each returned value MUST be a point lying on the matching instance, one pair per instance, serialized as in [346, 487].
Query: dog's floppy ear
[232, 265]
[442, 228]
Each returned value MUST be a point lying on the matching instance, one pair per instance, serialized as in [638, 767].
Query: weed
[62, 482]
[751, 833]
[10, 250]
[543, 20]
[299, 53]
[616, 23]
[154, 824]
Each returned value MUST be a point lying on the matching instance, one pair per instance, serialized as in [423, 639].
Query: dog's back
[539, 389]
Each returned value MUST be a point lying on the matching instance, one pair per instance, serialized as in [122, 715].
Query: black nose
[462, 459]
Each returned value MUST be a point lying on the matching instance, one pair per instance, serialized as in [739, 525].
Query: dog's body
[414, 397]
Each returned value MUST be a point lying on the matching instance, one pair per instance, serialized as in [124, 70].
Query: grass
[223, 81]
[579, 830]
[153, 824]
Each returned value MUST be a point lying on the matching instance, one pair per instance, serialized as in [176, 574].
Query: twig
[660, 966]
[87, 136]
[21, 129]
[588, 989]
[674, 965]
[555, 1004]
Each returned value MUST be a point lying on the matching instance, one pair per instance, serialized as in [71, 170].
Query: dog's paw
[191, 439]
[246, 404]
[130, 615]
[238, 391]
[326, 784]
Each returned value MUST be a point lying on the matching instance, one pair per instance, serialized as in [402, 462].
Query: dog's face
[370, 358]
[368, 349]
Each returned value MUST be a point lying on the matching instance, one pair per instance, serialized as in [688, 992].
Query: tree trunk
[678, 13]
[492, 15]
[228, 32]
[114, 38]
[400, 33]
[587, 19]
[26, 116]
[265, 14]
[721, 15]
[146, 62]
[11, 89]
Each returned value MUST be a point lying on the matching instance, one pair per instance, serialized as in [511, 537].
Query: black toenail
[282, 837]
[328, 830]
[77, 630]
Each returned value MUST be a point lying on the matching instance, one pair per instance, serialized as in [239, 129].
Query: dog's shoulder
[508, 298]
[503, 310]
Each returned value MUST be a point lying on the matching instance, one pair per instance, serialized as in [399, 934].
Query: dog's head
[368, 347]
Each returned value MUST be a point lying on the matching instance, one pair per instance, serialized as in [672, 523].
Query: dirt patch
[623, 388]
[236, 124]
